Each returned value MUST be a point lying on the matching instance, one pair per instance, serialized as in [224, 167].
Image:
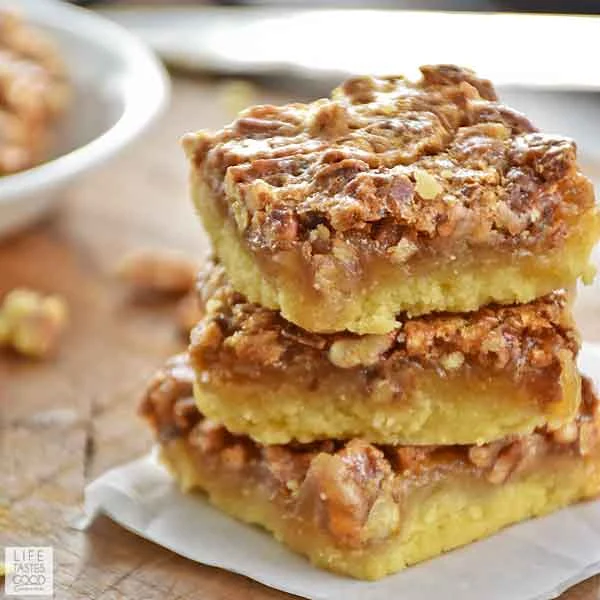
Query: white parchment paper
[536, 560]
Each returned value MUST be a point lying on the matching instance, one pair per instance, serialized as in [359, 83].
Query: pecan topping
[438, 162]
[365, 350]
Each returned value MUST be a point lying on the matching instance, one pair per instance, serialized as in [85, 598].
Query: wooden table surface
[64, 422]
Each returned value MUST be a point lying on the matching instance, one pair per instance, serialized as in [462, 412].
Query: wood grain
[64, 422]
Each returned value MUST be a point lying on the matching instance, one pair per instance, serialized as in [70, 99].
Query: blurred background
[540, 62]
[562, 6]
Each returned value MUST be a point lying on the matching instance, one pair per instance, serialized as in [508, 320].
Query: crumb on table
[32, 323]
[158, 272]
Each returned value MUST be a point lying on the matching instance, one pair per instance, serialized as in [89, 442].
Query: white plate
[542, 64]
[119, 88]
[510, 49]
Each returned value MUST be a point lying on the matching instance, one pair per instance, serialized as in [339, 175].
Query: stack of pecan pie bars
[385, 367]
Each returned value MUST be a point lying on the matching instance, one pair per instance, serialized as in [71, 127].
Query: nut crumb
[566, 434]
[31, 323]
[426, 185]
[158, 272]
[328, 119]
[240, 214]
[589, 437]
[452, 361]
[363, 351]
[506, 462]
[320, 232]
[402, 251]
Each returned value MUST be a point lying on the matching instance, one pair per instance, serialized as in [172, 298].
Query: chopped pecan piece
[32, 324]
[362, 351]
[166, 272]
[344, 487]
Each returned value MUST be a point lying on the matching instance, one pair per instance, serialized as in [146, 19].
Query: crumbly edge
[351, 491]
[394, 168]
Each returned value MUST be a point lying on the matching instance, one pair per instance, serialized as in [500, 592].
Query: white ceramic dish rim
[140, 108]
[240, 41]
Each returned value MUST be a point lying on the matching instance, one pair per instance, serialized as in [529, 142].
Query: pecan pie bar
[367, 510]
[33, 92]
[434, 379]
[392, 196]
